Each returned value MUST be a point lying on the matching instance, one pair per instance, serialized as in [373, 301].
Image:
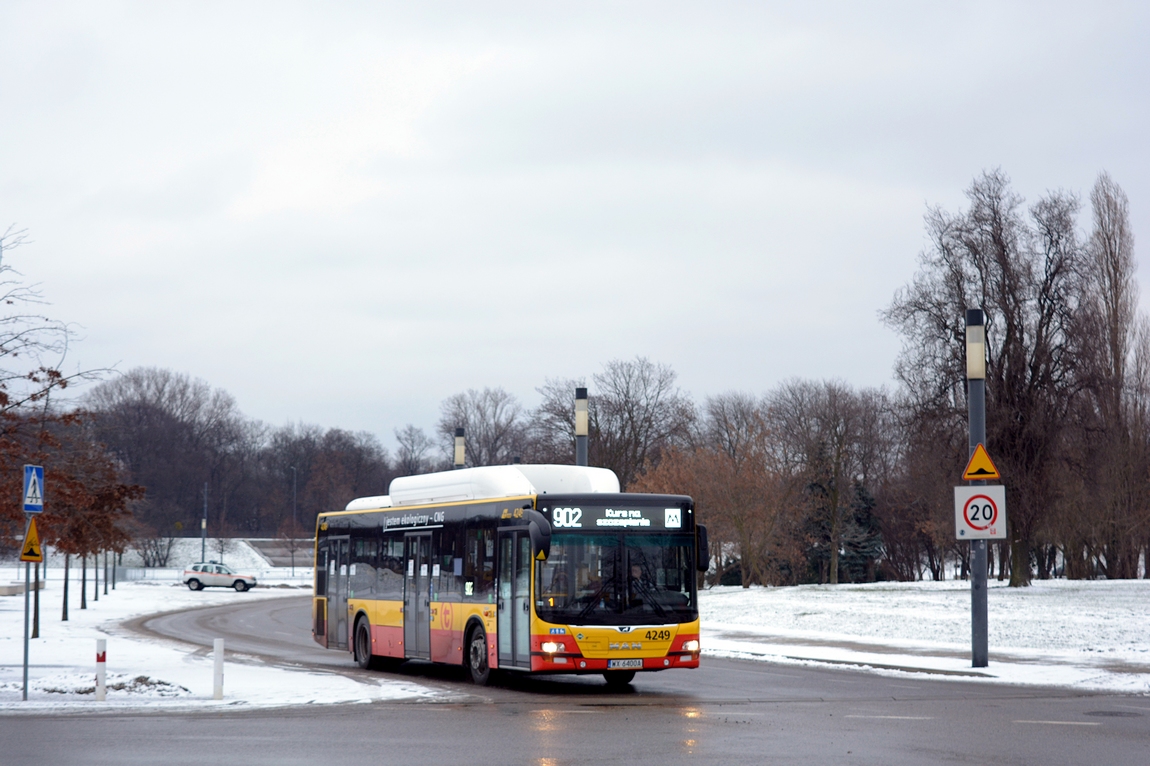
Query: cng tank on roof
[500, 481]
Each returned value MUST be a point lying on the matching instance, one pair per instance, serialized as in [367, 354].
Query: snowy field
[153, 673]
[1090, 635]
[1083, 635]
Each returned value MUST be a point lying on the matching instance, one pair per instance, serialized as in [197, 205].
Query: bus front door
[337, 579]
[514, 599]
[417, 597]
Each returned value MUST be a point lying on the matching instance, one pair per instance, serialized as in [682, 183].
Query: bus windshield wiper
[594, 600]
[648, 594]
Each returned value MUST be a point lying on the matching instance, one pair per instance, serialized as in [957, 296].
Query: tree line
[811, 481]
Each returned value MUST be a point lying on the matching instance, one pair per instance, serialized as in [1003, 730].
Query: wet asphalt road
[725, 712]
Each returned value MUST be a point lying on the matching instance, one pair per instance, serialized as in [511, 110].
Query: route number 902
[567, 517]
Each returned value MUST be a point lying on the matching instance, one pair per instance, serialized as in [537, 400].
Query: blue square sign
[33, 488]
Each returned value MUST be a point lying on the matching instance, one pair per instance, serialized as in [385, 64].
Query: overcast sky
[343, 213]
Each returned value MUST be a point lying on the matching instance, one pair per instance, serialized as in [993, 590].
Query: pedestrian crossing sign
[33, 488]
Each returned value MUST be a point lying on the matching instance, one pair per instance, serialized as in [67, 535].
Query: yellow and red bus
[525, 568]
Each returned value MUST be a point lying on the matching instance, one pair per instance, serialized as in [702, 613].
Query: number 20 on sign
[980, 513]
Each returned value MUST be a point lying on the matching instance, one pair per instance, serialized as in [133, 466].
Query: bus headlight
[689, 646]
[550, 647]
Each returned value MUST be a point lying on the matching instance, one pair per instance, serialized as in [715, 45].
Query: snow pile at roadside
[1079, 634]
[237, 554]
[155, 672]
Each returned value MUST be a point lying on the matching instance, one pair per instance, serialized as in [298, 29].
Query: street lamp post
[580, 426]
[460, 448]
[294, 518]
[204, 527]
[976, 407]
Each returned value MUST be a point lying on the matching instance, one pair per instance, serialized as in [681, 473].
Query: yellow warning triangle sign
[980, 466]
[31, 549]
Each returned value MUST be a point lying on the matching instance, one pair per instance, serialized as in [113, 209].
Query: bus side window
[450, 551]
[479, 564]
[364, 547]
[321, 569]
[389, 575]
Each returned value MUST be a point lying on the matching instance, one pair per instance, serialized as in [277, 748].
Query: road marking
[1062, 723]
[896, 717]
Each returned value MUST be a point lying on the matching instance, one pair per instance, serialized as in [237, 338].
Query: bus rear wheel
[476, 657]
[618, 679]
[362, 646]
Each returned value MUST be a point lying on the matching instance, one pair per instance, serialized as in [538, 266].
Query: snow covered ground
[1090, 635]
[1083, 635]
[153, 673]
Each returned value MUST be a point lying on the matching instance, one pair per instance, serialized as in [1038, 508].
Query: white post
[218, 675]
[101, 668]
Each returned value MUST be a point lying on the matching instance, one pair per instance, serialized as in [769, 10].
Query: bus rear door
[337, 578]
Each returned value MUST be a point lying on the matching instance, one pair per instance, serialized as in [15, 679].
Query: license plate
[625, 664]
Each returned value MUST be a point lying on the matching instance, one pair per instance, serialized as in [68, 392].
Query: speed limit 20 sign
[980, 513]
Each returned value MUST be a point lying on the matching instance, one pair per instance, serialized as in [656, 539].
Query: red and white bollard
[101, 668]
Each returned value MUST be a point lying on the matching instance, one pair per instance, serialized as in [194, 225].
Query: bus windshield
[617, 579]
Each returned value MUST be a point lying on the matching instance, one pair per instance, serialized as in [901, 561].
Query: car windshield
[608, 579]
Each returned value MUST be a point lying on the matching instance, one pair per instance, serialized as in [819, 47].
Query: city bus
[518, 568]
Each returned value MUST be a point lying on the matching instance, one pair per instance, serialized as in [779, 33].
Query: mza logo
[673, 518]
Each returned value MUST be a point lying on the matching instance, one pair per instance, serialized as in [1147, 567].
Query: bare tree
[411, 457]
[154, 547]
[818, 430]
[1026, 272]
[174, 433]
[1108, 446]
[294, 538]
[493, 421]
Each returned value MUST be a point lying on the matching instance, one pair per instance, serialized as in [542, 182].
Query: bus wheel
[477, 657]
[362, 645]
[617, 679]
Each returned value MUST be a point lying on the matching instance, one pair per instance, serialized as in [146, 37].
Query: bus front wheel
[477, 665]
[618, 679]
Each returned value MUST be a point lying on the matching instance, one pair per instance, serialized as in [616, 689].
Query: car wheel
[194, 584]
[477, 666]
[618, 679]
[240, 586]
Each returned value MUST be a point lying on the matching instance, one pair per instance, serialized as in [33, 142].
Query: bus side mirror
[702, 551]
[540, 531]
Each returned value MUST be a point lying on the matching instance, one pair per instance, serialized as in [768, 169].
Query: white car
[207, 574]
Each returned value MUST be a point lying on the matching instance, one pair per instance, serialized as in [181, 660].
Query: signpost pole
[27, 587]
[976, 403]
[30, 546]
